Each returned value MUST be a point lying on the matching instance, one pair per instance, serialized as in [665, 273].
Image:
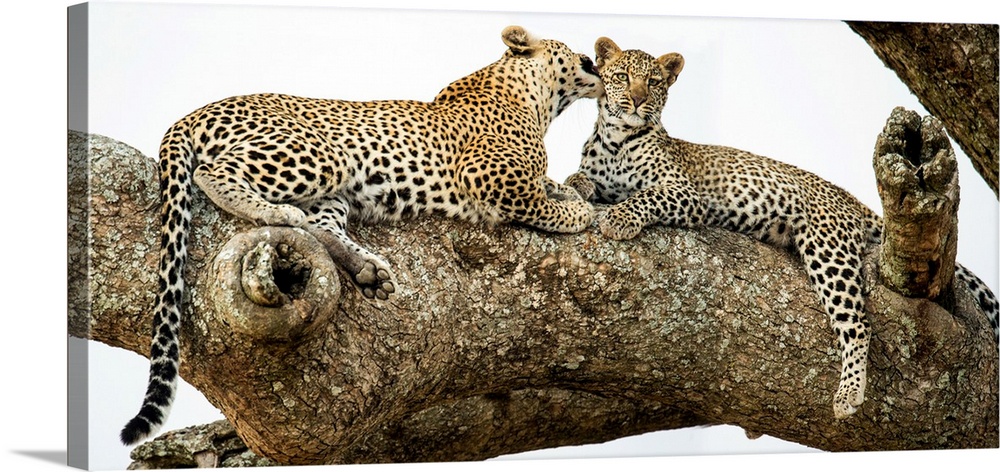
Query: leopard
[647, 177]
[475, 152]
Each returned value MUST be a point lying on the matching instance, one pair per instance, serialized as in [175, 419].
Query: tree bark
[953, 71]
[505, 339]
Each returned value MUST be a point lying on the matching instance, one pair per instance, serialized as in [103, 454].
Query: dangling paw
[375, 279]
[850, 395]
[372, 275]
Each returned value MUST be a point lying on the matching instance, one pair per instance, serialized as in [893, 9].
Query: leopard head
[635, 83]
[569, 75]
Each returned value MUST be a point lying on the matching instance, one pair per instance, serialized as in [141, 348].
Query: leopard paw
[617, 225]
[847, 400]
[281, 215]
[583, 186]
[375, 279]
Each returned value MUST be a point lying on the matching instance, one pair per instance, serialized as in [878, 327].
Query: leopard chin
[634, 119]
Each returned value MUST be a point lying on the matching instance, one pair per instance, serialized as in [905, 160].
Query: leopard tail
[176, 171]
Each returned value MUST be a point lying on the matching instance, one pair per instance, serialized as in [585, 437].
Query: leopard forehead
[634, 62]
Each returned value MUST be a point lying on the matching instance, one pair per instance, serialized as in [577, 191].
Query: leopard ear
[672, 63]
[605, 50]
[518, 39]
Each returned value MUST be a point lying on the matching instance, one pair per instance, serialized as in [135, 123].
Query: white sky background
[807, 92]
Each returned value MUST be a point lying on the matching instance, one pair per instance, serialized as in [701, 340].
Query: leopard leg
[513, 188]
[673, 203]
[327, 221]
[229, 186]
[832, 265]
[554, 216]
[533, 207]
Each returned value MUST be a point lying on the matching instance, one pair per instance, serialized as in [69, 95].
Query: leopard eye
[622, 77]
[654, 81]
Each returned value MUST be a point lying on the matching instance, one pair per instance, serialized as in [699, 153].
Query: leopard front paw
[583, 186]
[619, 225]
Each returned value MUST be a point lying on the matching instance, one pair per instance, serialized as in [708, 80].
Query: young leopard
[652, 178]
[476, 152]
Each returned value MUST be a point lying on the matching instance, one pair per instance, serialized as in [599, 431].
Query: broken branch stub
[917, 177]
[273, 283]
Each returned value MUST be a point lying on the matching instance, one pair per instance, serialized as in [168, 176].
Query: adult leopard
[653, 178]
[475, 152]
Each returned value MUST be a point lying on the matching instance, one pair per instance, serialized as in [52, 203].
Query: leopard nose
[638, 100]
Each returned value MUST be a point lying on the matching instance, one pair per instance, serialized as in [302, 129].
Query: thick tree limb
[506, 339]
[953, 71]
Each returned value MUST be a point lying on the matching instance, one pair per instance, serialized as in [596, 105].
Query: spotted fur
[475, 152]
[652, 178]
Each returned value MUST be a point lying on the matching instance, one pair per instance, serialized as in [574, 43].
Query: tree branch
[506, 339]
[953, 71]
